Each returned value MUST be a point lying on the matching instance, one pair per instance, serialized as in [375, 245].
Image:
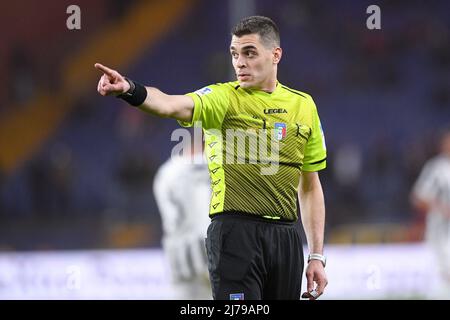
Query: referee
[254, 250]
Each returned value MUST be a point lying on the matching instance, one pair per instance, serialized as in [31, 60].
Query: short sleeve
[315, 151]
[425, 186]
[210, 105]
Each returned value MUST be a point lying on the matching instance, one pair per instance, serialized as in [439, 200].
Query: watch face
[319, 257]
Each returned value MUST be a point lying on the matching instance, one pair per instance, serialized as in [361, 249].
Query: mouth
[243, 76]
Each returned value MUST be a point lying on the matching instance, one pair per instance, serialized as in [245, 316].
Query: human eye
[234, 54]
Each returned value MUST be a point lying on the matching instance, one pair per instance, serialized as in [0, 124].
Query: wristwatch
[317, 256]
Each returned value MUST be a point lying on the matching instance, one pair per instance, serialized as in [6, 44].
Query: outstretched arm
[179, 107]
[312, 207]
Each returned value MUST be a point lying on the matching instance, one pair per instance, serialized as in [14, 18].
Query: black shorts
[251, 258]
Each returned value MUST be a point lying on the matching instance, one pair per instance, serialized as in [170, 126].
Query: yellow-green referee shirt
[257, 143]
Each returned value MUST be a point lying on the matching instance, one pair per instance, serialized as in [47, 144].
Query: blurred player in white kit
[431, 195]
[182, 192]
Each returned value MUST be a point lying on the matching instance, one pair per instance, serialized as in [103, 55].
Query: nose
[240, 63]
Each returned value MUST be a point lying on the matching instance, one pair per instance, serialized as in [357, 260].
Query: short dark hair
[264, 26]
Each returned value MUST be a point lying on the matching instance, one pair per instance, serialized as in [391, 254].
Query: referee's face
[255, 64]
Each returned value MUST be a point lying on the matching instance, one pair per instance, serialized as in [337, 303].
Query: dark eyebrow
[249, 47]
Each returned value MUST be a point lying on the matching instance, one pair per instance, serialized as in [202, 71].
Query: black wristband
[136, 95]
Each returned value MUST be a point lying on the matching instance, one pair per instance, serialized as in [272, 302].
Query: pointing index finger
[104, 69]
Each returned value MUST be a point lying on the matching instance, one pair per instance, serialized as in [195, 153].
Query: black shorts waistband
[250, 217]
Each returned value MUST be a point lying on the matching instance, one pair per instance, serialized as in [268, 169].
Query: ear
[277, 53]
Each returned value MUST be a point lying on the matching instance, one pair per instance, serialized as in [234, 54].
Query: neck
[269, 86]
[271, 82]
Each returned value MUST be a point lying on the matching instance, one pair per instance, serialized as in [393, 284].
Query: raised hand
[111, 82]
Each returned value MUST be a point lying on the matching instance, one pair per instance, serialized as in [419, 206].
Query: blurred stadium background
[76, 169]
